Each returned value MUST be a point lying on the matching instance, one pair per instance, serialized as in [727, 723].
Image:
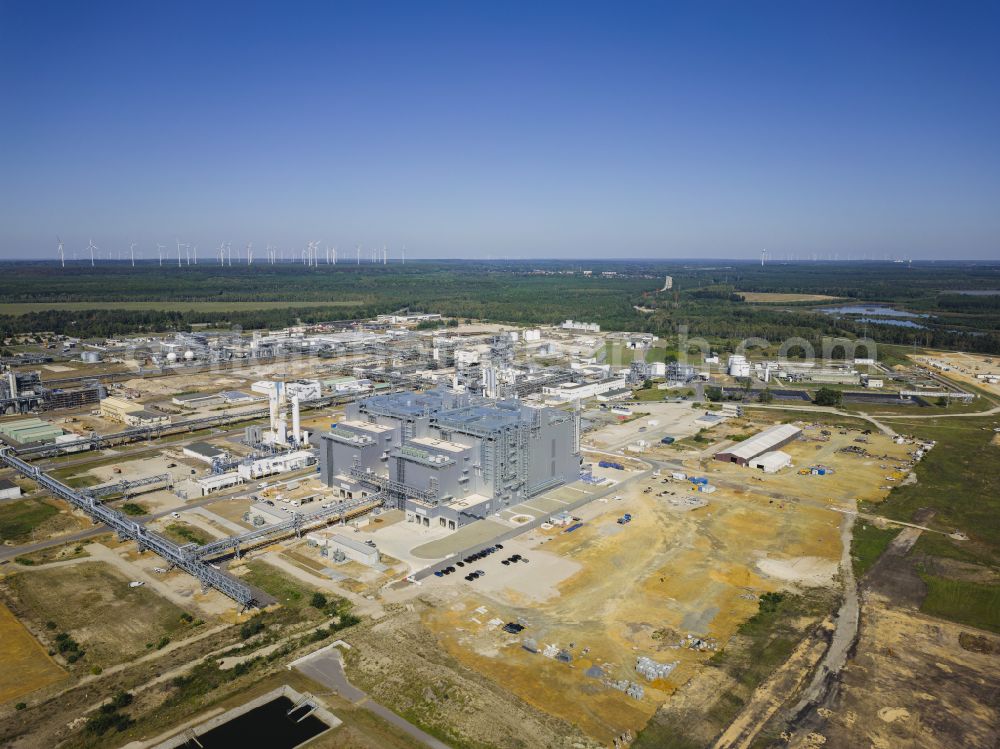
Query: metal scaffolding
[179, 556]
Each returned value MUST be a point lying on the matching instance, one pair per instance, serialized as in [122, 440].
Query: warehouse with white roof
[769, 440]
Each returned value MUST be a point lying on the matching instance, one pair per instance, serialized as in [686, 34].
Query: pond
[269, 725]
[876, 314]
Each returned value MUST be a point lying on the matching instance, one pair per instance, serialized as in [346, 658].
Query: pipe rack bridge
[183, 557]
[193, 558]
[295, 525]
[138, 434]
[127, 487]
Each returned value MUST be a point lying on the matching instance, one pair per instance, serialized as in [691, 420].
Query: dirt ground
[676, 420]
[855, 476]
[912, 683]
[609, 593]
[962, 367]
[402, 665]
[26, 665]
[687, 565]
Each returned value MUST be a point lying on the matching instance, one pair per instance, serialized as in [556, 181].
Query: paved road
[327, 668]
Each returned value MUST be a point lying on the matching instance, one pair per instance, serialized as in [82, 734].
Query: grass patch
[939, 545]
[19, 519]
[54, 554]
[183, 533]
[289, 592]
[653, 394]
[975, 604]
[812, 417]
[134, 508]
[867, 545]
[93, 604]
[82, 481]
[957, 479]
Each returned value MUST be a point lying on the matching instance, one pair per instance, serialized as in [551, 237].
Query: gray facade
[355, 445]
[451, 458]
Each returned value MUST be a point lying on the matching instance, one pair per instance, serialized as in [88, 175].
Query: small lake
[270, 725]
[872, 310]
[876, 314]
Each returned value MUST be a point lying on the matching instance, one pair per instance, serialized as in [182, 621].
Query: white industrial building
[306, 390]
[218, 482]
[204, 451]
[738, 366]
[574, 391]
[590, 327]
[9, 490]
[356, 551]
[772, 462]
[269, 466]
[144, 418]
[197, 400]
[770, 439]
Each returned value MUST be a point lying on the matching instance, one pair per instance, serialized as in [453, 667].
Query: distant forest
[706, 297]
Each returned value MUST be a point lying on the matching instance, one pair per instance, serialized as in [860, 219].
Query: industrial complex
[523, 498]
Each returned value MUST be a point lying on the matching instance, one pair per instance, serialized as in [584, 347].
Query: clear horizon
[555, 131]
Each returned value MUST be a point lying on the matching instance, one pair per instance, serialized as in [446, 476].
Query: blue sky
[504, 129]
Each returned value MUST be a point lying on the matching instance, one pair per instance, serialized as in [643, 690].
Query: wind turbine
[131, 249]
[358, 249]
[62, 253]
[178, 252]
[91, 247]
[763, 253]
[403, 256]
[159, 251]
[385, 255]
[249, 253]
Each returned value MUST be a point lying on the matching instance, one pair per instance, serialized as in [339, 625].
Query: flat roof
[453, 447]
[470, 500]
[203, 448]
[366, 426]
[350, 543]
